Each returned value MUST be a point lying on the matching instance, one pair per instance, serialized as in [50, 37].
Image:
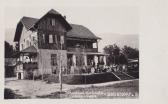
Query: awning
[30, 49]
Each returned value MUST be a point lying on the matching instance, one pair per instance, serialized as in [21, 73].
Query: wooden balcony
[30, 65]
[82, 49]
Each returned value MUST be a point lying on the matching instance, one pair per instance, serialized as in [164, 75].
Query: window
[55, 38]
[62, 39]
[94, 45]
[22, 46]
[53, 22]
[58, 38]
[53, 59]
[33, 38]
[50, 38]
[27, 43]
[43, 38]
[46, 38]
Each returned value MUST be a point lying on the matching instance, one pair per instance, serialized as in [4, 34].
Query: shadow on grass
[9, 94]
[55, 95]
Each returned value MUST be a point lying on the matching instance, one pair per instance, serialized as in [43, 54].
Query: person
[93, 63]
[92, 70]
[72, 70]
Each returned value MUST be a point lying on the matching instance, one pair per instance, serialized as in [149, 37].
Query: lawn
[28, 89]
[128, 89]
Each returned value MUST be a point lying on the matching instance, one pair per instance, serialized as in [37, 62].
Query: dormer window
[53, 22]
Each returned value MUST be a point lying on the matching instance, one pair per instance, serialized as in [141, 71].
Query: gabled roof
[30, 49]
[76, 31]
[28, 22]
[79, 31]
[52, 11]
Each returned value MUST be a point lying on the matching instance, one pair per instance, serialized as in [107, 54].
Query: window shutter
[43, 38]
[56, 39]
[50, 38]
[62, 39]
[47, 38]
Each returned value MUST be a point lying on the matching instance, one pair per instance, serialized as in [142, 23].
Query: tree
[8, 50]
[122, 59]
[114, 52]
[120, 56]
[131, 53]
[16, 47]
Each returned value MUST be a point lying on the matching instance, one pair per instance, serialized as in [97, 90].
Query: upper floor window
[62, 39]
[50, 38]
[43, 38]
[22, 46]
[27, 43]
[46, 38]
[56, 39]
[53, 22]
[33, 38]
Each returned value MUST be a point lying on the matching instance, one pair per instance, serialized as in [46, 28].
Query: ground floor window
[53, 59]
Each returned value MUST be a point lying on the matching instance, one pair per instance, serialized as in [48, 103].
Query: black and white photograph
[57, 51]
[83, 51]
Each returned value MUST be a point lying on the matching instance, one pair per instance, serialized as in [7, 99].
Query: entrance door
[54, 63]
[19, 75]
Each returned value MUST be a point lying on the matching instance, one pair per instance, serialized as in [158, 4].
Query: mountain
[131, 40]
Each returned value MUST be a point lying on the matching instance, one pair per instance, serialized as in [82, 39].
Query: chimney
[64, 16]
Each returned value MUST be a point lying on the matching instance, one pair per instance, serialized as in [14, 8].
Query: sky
[112, 20]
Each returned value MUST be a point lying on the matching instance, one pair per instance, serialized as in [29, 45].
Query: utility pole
[60, 72]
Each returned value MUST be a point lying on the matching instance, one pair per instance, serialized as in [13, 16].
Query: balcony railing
[28, 66]
[82, 49]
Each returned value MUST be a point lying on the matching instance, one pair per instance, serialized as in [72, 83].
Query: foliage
[114, 52]
[131, 53]
[8, 50]
[16, 47]
[119, 55]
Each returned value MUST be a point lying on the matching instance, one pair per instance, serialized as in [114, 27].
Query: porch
[85, 63]
[27, 63]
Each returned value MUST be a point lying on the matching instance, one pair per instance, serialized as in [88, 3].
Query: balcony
[82, 49]
[30, 65]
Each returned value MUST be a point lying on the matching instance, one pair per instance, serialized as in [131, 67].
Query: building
[50, 43]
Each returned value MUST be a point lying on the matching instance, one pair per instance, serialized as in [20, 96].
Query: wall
[44, 60]
[46, 28]
[27, 35]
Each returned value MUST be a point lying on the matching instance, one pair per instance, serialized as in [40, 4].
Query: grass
[120, 90]
[10, 94]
